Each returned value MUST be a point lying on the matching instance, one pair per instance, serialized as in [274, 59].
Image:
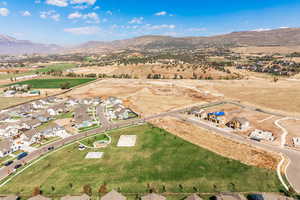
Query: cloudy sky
[74, 21]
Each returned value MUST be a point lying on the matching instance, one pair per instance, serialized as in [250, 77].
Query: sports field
[54, 83]
[159, 160]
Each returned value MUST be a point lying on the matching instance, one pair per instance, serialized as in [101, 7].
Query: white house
[30, 137]
[262, 135]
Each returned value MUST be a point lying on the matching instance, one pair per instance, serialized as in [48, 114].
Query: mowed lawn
[158, 160]
[54, 83]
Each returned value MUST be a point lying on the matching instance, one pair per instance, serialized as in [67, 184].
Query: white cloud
[283, 27]
[261, 29]
[26, 13]
[4, 12]
[55, 17]
[90, 2]
[196, 29]
[109, 12]
[60, 3]
[162, 13]
[90, 17]
[81, 7]
[162, 26]
[52, 14]
[87, 30]
[136, 20]
[75, 15]
[96, 7]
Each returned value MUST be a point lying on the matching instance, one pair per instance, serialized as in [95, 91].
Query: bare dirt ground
[218, 144]
[143, 97]
[143, 70]
[293, 127]
[283, 95]
[267, 50]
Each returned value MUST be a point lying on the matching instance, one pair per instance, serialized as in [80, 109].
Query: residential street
[292, 171]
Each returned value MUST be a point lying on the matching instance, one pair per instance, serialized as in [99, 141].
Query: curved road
[292, 171]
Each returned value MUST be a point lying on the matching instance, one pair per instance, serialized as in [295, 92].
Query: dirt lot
[283, 95]
[267, 50]
[293, 127]
[144, 97]
[257, 120]
[217, 144]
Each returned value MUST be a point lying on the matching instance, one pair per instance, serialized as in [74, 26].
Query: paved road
[292, 171]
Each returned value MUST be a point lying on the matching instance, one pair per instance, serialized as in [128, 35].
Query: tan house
[193, 197]
[113, 195]
[82, 197]
[153, 196]
[39, 197]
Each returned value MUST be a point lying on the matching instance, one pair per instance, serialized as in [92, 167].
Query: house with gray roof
[193, 197]
[5, 147]
[39, 197]
[30, 137]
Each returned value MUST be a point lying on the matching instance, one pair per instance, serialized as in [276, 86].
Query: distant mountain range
[276, 37]
[10, 45]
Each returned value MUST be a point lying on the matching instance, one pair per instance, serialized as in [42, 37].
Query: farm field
[54, 83]
[159, 159]
[56, 67]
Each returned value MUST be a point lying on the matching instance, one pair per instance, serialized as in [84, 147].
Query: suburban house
[54, 130]
[123, 113]
[9, 130]
[238, 123]
[82, 197]
[10, 197]
[30, 137]
[33, 123]
[43, 117]
[113, 195]
[261, 135]
[4, 117]
[230, 197]
[5, 147]
[82, 118]
[57, 109]
[193, 197]
[296, 141]
[153, 196]
[113, 101]
[39, 197]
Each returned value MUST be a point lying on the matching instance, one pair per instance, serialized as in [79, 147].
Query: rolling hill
[10, 45]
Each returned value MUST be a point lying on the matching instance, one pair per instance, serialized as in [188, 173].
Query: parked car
[50, 148]
[22, 155]
[8, 163]
[18, 166]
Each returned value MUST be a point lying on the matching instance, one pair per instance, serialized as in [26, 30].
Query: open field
[293, 128]
[159, 159]
[266, 50]
[217, 144]
[54, 83]
[56, 67]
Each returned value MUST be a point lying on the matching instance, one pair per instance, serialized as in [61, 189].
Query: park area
[159, 161]
[55, 83]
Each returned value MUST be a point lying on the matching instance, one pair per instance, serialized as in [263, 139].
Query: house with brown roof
[113, 195]
[30, 137]
[82, 197]
[33, 123]
[153, 196]
[39, 197]
[5, 147]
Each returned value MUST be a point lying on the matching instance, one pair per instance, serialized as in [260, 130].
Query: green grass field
[56, 67]
[53, 83]
[90, 141]
[159, 159]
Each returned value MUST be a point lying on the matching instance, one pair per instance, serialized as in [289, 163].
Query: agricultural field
[158, 160]
[54, 83]
[56, 67]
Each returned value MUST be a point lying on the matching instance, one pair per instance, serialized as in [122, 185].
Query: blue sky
[71, 22]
